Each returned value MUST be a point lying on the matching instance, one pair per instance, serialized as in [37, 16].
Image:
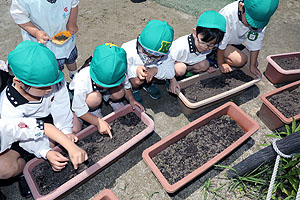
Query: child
[41, 20]
[103, 78]
[246, 22]
[190, 51]
[148, 59]
[28, 133]
[38, 89]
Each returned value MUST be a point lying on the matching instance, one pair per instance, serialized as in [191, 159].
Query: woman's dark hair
[210, 33]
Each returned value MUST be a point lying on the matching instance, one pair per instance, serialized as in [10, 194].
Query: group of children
[35, 109]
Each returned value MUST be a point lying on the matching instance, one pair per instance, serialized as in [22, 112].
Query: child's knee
[8, 169]
[135, 82]
[180, 69]
[117, 95]
[94, 99]
[201, 66]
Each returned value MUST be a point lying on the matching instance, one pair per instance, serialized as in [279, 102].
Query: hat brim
[104, 84]
[255, 24]
[59, 79]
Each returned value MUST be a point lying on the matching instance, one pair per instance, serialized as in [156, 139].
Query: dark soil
[199, 146]
[289, 63]
[204, 89]
[97, 147]
[287, 102]
[61, 37]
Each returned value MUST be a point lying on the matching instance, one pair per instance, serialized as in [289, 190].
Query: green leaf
[288, 130]
[293, 125]
[272, 136]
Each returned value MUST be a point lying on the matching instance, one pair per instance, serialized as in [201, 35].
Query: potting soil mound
[210, 87]
[97, 147]
[287, 102]
[199, 146]
[289, 63]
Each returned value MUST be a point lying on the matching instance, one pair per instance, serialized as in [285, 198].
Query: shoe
[116, 105]
[2, 197]
[23, 187]
[137, 96]
[153, 91]
[97, 113]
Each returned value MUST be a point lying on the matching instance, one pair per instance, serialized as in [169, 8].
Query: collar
[15, 98]
[95, 87]
[192, 46]
[52, 1]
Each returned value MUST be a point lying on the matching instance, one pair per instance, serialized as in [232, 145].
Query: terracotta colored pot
[106, 195]
[189, 108]
[275, 74]
[242, 119]
[97, 167]
[270, 115]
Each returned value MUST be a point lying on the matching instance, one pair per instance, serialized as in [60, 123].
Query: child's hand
[141, 72]
[77, 156]
[42, 37]
[211, 70]
[151, 73]
[134, 103]
[104, 127]
[57, 161]
[225, 68]
[72, 28]
[72, 137]
[174, 85]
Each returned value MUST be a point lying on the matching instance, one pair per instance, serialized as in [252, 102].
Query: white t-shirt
[49, 17]
[237, 32]
[183, 50]
[82, 85]
[165, 68]
[56, 103]
[28, 132]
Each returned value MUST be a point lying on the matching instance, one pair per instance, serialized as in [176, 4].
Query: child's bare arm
[224, 67]
[131, 99]
[72, 23]
[41, 36]
[103, 126]
[76, 154]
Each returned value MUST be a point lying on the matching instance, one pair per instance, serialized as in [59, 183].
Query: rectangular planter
[275, 74]
[233, 111]
[106, 195]
[270, 115]
[189, 108]
[101, 164]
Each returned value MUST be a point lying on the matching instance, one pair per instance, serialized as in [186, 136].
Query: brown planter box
[100, 165]
[271, 115]
[275, 74]
[189, 108]
[106, 195]
[242, 119]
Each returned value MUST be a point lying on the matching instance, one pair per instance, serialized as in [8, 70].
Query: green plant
[207, 187]
[255, 183]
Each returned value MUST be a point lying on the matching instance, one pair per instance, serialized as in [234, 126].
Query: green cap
[157, 36]
[34, 64]
[108, 65]
[212, 19]
[259, 12]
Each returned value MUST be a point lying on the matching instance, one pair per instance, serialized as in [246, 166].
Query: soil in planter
[97, 147]
[287, 102]
[195, 149]
[288, 63]
[204, 89]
